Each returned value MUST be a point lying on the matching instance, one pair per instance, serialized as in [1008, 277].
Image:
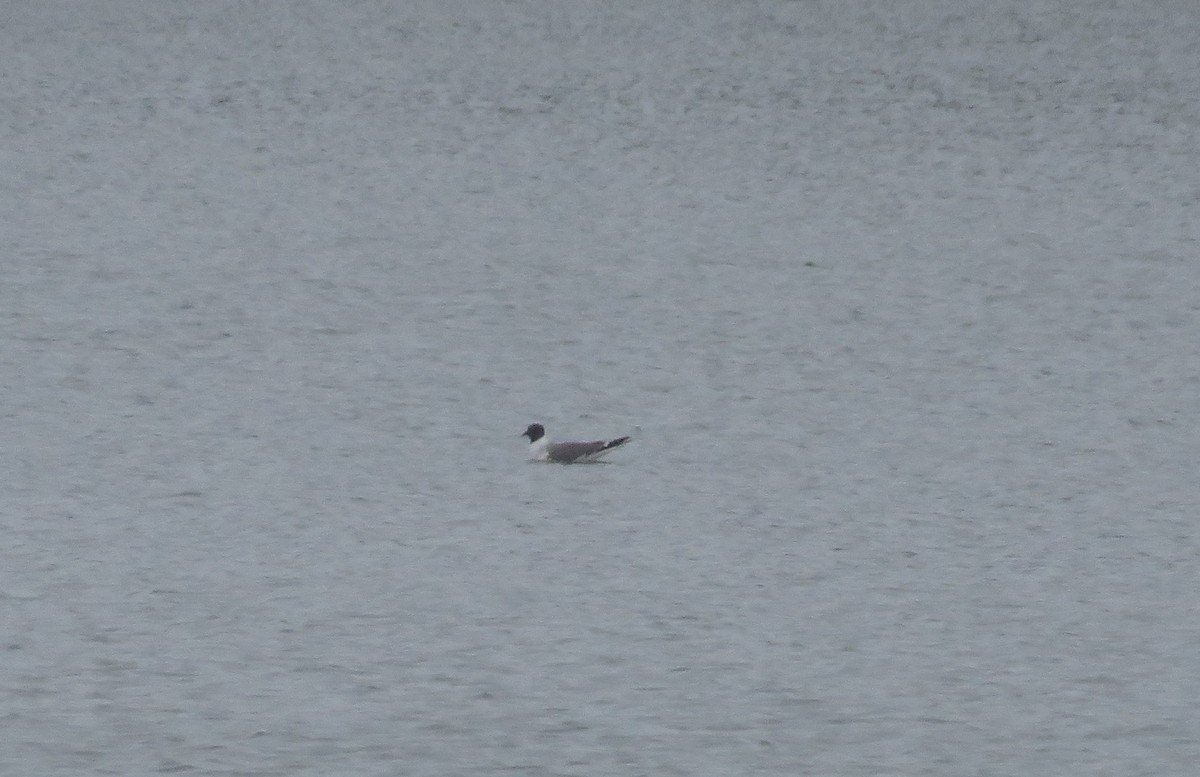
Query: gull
[541, 449]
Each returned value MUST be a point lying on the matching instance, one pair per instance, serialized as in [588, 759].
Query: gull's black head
[535, 432]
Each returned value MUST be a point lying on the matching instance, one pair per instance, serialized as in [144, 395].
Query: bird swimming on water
[541, 449]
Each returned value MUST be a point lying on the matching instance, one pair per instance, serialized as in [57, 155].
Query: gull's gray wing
[567, 452]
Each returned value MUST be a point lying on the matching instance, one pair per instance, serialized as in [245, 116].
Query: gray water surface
[898, 300]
